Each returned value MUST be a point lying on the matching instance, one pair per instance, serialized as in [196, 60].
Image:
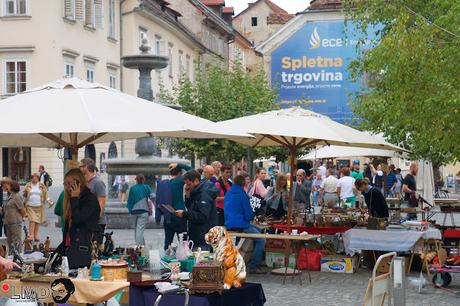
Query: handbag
[258, 205]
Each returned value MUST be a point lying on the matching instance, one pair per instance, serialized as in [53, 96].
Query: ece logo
[316, 41]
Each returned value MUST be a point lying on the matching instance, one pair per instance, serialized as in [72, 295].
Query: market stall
[250, 294]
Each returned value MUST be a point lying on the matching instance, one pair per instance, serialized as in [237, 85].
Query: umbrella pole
[293, 154]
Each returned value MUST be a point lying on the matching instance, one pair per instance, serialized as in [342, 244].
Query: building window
[15, 76]
[16, 7]
[69, 9]
[90, 13]
[142, 35]
[187, 66]
[157, 45]
[90, 72]
[69, 69]
[112, 18]
[254, 21]
[170, 55]
[112, 79]
[181, 63]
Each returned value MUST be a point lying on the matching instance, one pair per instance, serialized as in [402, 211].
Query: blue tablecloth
[250, 294]
[356, 240]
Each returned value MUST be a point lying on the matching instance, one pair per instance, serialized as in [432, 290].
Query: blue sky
[292, 6]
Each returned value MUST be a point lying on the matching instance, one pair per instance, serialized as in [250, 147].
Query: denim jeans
[259, 245]
[139, 225]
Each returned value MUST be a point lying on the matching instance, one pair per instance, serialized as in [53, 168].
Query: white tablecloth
[356, 240]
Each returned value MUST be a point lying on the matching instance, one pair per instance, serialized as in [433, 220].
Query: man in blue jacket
[238, 216]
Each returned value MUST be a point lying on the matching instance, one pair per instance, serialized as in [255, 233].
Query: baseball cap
[355, 162]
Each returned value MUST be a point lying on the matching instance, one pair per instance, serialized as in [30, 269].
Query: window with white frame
[15, 76]
[187, 66]
[70, 9]
[16, 7]
[170, 55]
[157, 44]
[181, 63]
[89, 71]
[192, 77]
[112, 31]
[142, 35]
[69, 69]
[112, 78]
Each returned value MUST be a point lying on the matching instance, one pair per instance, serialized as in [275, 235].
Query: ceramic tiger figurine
[228, 254]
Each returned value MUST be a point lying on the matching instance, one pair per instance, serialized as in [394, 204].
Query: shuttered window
[94, 13]
[90, 14]
[70, 9]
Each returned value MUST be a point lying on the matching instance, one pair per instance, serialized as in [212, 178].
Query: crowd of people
[194, 201]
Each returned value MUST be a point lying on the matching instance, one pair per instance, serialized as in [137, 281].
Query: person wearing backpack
[45, 178]
[223, 184]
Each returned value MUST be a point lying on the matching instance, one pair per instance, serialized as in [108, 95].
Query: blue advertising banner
[310, 68]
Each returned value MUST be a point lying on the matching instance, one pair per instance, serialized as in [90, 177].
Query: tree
[221, 94]
[413, 95]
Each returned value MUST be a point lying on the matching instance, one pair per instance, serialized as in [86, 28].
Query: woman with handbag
[35, 198]
[81, 216]
[139, 206]
[258, 192]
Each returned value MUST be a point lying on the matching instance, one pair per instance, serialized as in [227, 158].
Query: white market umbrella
[425, 181]
[295, 128]
[342, 151]
[72, 113]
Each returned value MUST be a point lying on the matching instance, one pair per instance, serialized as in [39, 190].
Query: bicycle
[441, 193]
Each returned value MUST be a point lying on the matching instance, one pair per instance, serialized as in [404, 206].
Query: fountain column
[149, 161]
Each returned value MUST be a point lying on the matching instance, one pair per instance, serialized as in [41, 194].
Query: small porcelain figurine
[94, 250]
[47, 244]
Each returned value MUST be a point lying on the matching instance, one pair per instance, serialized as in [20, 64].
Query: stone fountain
[149, 161]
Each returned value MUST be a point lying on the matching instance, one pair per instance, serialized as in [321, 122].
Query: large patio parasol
[72, 113]
[295, 128]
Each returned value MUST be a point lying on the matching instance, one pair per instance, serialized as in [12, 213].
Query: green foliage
[221, 94]
[413, 95]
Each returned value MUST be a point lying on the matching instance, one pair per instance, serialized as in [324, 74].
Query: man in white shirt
[328, 189]
[322, 170]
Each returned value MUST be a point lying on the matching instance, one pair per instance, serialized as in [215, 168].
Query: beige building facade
[260, 20]
[40, 43]
[86, 39]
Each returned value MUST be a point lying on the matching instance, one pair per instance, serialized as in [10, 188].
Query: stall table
[356, 240]
[86, 291]
[297, 240]
[250, 294]
[313, 230]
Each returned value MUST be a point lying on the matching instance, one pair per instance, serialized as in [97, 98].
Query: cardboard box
[276, 260]
[339, 264]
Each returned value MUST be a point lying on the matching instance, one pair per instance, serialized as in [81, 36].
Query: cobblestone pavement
[326, 289]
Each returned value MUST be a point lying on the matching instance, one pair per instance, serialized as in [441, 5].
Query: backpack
[50, 181]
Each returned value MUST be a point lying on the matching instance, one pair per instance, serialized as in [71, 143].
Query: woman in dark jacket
[81, 215]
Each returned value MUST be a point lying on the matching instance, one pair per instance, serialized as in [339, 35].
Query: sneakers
[258, 270]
